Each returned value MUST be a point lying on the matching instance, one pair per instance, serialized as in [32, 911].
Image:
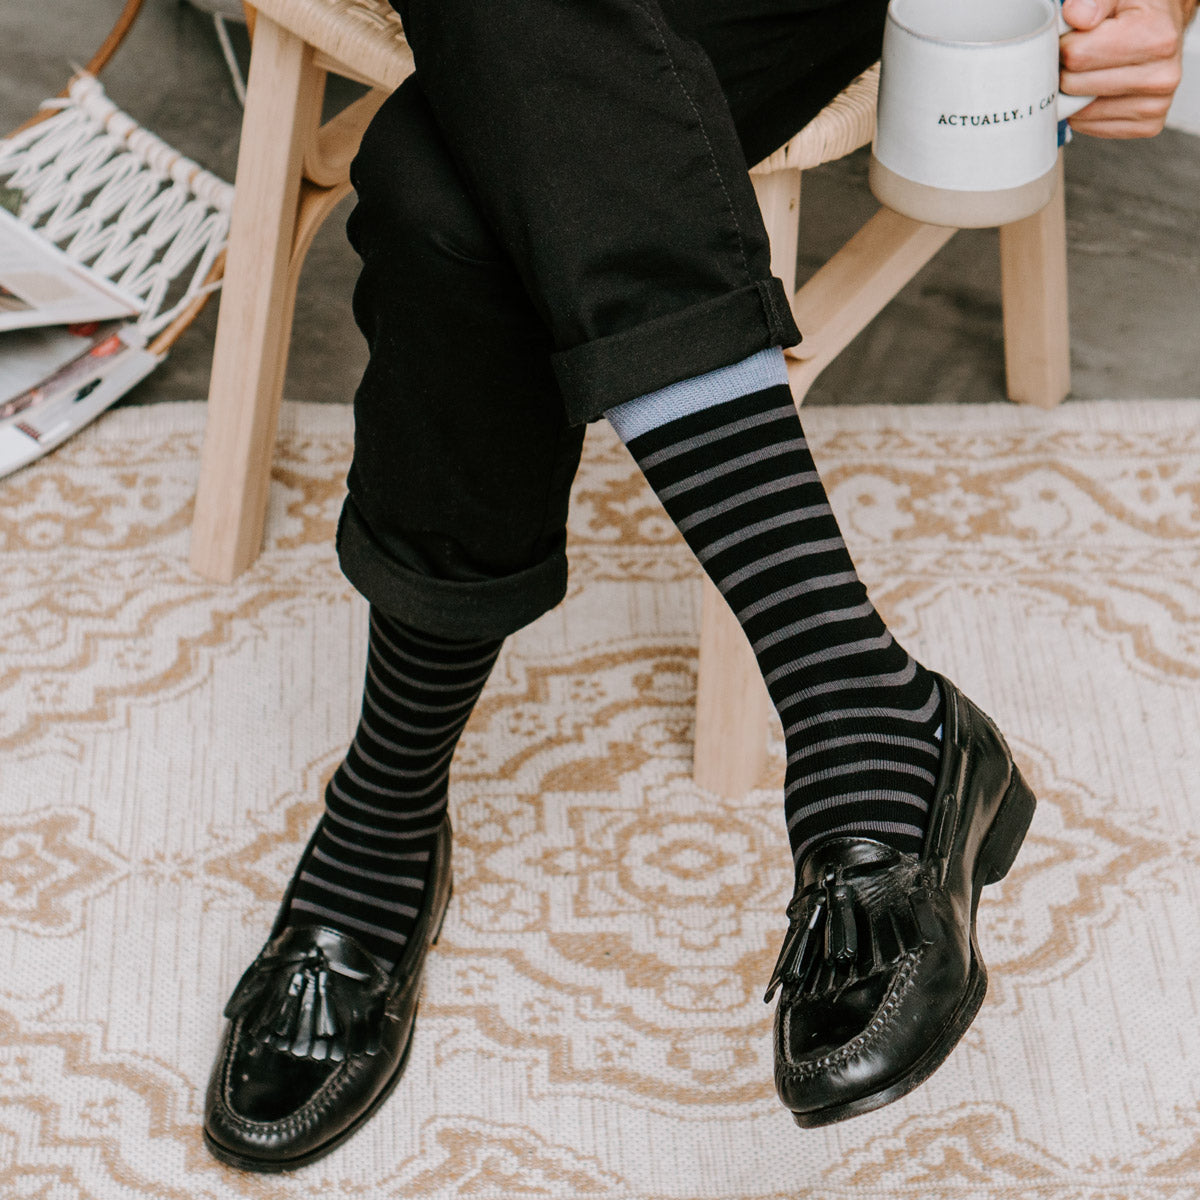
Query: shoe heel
[437, 933]
[999, 849]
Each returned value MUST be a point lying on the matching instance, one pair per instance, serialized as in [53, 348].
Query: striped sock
[726, 455]
[364, 874]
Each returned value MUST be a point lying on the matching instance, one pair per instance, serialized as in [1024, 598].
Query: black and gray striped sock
[365, 871]
[861, 717]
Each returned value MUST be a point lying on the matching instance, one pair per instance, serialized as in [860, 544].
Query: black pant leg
[598, 145]
[463, 456]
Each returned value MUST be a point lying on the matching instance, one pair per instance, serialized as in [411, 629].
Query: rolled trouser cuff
[608, 371]
[449, 608]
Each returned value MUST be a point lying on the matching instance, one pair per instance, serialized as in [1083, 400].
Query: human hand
[1128, 54]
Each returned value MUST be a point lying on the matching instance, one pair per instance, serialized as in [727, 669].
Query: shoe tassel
[304, 1008]
[835, 939]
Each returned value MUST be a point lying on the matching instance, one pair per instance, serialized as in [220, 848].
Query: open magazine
[54, 381]
[54, 376]
[40, 285]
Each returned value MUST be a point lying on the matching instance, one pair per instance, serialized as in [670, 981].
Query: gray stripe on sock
[860, 683]
[832, 617]
[394, 723]
[862, 764]
[803, 588]
[408, 703]
[340, 920]
[364, 873]
[377, 739]
[871, 713]
[871, 796]
[402, 772]
[365, 898]
[782, 484]
[399, 855]
[831, 654]
[728, 582]
[728, 465]
[404, 812]
[795, 516]
[783, 413]
[421, 685]
[863, 739]
[436, 665]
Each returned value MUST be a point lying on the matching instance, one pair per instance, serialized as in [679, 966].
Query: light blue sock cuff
[643, 413]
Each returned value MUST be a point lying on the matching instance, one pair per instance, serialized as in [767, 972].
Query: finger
[1123, 108]
[1118, 130]
[1132, 37]
[1087, 14]
[1150, 79]
[1122, 117]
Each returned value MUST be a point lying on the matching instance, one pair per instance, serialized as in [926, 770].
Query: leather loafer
[880, 973]
[319, 1032]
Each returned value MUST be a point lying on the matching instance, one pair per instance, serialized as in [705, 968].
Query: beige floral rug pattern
[592, 1022]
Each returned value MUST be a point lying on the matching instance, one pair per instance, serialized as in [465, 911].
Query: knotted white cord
[114, 196]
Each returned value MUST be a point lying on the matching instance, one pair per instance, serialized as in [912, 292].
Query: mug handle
[1068, 106]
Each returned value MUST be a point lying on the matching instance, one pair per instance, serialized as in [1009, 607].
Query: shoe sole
[278, 1166]
[996, 857]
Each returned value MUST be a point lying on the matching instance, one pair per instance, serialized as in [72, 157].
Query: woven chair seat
[844, 124]
[365, 35]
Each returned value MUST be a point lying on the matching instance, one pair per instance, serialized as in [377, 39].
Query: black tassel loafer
[319, 1035]
[880, 973]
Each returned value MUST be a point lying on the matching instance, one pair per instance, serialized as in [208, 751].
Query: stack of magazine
[69, 343]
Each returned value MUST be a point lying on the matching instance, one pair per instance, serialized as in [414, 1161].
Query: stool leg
[283, 105]
[1033, 282]
[732, 705]
[838, 302]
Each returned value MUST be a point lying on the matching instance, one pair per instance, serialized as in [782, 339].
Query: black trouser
[555, 216]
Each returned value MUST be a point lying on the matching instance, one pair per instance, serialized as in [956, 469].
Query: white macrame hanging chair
[116, 198]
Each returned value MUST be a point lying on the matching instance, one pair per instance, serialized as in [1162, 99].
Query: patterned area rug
[592, 1024]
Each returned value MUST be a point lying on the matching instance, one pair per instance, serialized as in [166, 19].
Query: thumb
[1087, 14]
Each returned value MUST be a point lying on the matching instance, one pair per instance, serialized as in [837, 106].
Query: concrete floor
[1132, 228]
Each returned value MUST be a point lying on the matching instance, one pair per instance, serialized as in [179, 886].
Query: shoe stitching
[303, 1117]
[879, 1023]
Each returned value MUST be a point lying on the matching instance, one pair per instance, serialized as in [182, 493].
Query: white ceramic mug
[969, 106]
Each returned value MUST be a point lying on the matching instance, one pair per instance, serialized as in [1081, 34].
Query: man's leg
[434, 530]
[454, 532]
